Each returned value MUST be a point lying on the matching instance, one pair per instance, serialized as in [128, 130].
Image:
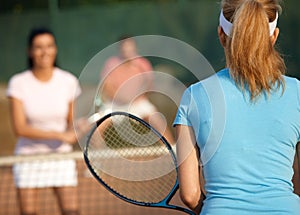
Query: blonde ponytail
[250, 55]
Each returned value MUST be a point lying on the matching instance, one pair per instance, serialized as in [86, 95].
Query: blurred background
[85, 27]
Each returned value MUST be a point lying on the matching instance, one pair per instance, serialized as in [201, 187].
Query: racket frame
[163, 203]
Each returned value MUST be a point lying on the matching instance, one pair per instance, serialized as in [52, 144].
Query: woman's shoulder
[21, 76]
[64, 74]
[292, 85]
[18, 83]
[212, 80]
[290, 79]
[291, 82]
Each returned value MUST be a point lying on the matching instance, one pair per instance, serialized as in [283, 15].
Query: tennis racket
[133, 161]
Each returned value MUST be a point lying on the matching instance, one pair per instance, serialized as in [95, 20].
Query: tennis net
[93, 197]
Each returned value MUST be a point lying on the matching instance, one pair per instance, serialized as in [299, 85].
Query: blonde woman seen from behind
[251, 169]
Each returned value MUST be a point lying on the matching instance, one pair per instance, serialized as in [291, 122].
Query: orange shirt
[124, 81]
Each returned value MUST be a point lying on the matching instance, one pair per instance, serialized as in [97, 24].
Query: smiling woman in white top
[41, 100]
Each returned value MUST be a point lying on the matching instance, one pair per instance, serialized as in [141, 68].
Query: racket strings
[132, 160]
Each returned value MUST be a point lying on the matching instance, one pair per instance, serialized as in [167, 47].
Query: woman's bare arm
[296, 177]
[22, 128]
[188, 169]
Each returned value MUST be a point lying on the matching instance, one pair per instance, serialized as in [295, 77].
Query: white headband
[227, 26]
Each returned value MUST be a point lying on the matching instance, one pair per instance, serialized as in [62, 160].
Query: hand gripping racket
[133, 161]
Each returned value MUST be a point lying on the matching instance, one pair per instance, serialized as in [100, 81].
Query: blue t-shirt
[247, 148]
